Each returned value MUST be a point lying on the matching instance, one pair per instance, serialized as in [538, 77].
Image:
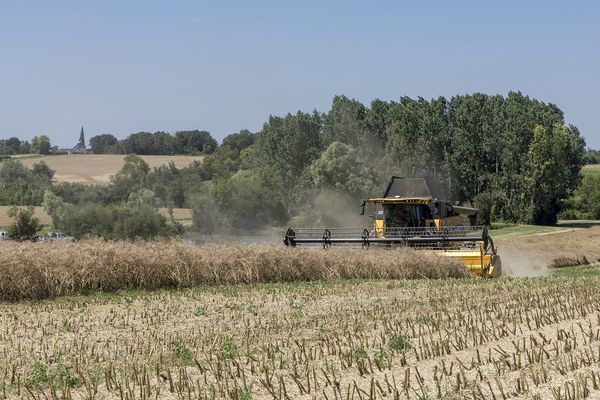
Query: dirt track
[531, 254]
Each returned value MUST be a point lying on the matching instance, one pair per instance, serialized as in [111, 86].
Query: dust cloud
[339, 210]
[521, 262]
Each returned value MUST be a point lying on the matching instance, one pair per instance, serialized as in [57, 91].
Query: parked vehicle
[52, 236]
[3, 235]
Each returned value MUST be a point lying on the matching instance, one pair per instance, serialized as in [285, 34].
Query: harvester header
[412, 213]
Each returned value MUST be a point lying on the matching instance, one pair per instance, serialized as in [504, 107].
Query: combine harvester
[412, 213]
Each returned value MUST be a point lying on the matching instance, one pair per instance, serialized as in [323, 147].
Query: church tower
[80, 146]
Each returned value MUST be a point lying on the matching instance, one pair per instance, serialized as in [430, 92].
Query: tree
[13, 145]
[42, 169]
[345, 123]
[103, 144]
[191, 142]
[341, 168]
[131, 177]
[55, 207]
[14, 183]
[555, 158]
[288, 144]
[40, 145]
[585, 203]
[26, 225]
[25, 148]
[239, 141]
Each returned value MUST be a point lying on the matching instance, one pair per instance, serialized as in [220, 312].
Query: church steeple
[80, 146]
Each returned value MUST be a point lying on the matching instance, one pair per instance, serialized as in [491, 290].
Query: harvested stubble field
[96, 169]
[398, 339]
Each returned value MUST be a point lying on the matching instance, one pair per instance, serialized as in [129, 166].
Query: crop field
[182, 215]
[591, 169]
[96, 169]
[535, 338]
[167, 320]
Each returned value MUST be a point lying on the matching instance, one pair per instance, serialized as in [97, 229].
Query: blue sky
[126, 66]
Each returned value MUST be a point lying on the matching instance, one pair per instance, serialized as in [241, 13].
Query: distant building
[80, 147]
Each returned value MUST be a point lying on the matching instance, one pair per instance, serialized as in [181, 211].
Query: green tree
[40, 145]
[103, 144]
[193, 142]
[26, 225]
[555, 160]
[13, 145]
[288, 144]
[19, 186]
[43, 170]
[239, 141]
[131, 177]
[585, 203]
[55, 207]
[341, 168]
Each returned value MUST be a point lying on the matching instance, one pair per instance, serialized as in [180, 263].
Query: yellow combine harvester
[412, 213]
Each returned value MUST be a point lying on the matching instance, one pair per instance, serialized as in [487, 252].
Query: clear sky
[126, 66]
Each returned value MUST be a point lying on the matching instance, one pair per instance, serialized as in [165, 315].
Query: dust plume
[533, 255]
[521, 262]
[332, 209]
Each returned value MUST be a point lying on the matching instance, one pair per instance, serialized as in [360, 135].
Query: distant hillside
[96, 169]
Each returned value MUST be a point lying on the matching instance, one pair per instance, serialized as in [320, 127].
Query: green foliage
[43, 170]
[131, 177]
[341, 168]
[585, 202]
[239, 141]
[141, 198]
[555, 160]
[115, 221]
[194, 142]
[40, 145]
[399, 342]
[21, 186]
[26, 225]
[183, 354]
[223, 162]
[37, 376]
[104, 144]
[288, 144]
[229, 349]
[591, 157]
[199, 312]
[11, 146]
[511, 154]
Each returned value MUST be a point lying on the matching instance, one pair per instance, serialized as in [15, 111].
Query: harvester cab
[413, 212]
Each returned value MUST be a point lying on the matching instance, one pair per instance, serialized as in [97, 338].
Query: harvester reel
[365, 238]
[290, 238]
[326, 239]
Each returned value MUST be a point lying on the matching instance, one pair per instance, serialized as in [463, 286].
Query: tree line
[512, 156]
[39, 145]
[157, 143]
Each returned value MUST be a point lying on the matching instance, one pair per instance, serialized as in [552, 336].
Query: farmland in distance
[96, 169]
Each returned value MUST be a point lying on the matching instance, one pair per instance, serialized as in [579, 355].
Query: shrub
[26, 225]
